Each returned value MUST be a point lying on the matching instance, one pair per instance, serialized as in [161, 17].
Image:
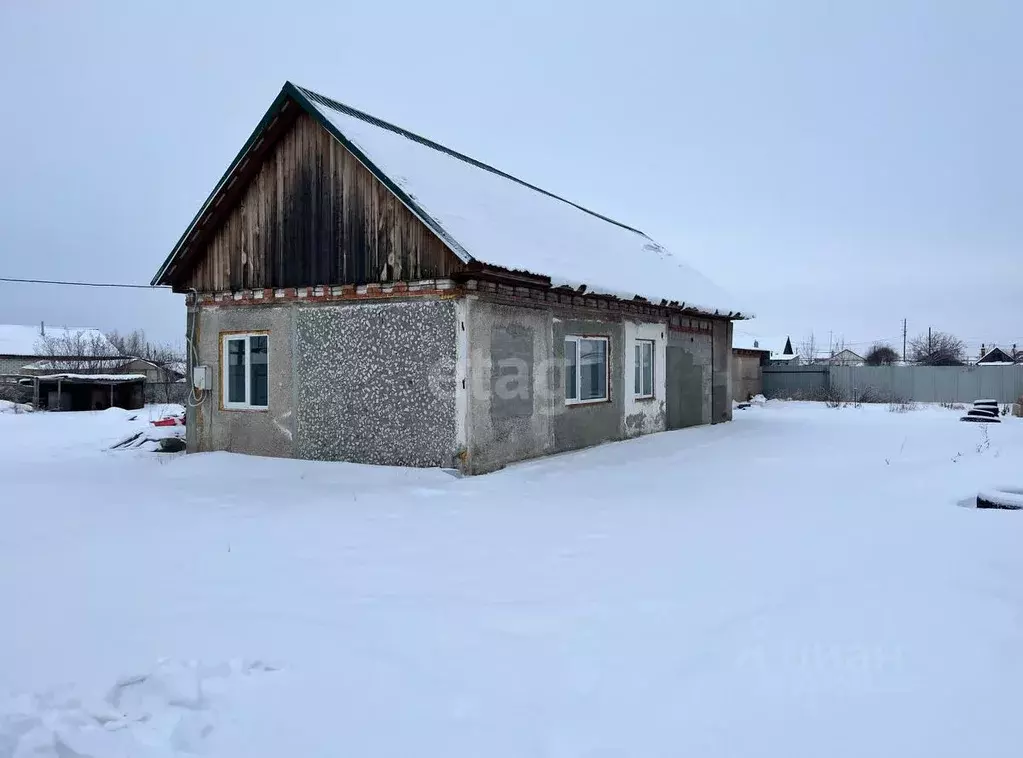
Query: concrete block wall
[747, 378]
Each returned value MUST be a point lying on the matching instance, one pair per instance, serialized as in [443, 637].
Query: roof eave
[161, 277]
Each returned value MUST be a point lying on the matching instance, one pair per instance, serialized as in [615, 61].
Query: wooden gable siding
[313, 214]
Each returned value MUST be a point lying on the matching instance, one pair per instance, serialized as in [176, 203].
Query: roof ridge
[369, 118]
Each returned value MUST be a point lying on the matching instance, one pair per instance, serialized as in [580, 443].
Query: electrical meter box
[201, 377]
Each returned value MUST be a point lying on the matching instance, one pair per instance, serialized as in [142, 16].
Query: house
[21, 345]
[358, 292]
[845, 357]
[784, 357]
[997, 356]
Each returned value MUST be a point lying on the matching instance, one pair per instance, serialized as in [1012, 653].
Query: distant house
[846, 358]
[785, 356]
[997, 356]
[40, 351]
[21, 345]
[358, 292]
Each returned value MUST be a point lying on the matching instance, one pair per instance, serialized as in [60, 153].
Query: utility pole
[903, 340]
[928, 342]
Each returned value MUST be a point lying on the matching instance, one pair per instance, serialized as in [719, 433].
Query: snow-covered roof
[93, 377]
[772, 345]
[66, 365]
[749, 342]
[989, 358]
[489, 216]
[29, 341]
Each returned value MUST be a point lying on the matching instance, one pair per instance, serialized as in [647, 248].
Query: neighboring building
[87, 392]
[748, 360]
[361, 293]
[997, 356]
[846, 358]
[163, 382]
[21, 345]
[786, 356]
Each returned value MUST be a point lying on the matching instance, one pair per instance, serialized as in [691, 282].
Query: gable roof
[746, 341]
[997, 355]
[487, 216]
[19, 340]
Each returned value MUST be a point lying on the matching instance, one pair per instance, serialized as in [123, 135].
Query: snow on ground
[800, 582]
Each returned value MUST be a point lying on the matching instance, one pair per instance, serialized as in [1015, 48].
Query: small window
[246, 365]
[644, 384]
[585, 369]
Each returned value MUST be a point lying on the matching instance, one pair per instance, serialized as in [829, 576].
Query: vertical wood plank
[348, 199]
[279, 220]
[312, 215]
[313, 168]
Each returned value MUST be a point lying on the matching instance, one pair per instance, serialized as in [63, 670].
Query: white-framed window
[245, 368]
[586, 369]
[644, 369]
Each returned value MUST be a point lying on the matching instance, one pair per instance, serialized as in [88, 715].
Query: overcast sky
[835, 167]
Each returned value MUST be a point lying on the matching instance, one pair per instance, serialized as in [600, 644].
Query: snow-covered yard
[798, 583]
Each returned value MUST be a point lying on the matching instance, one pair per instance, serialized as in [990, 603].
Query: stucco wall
[644, 415]
[510, 406]
[363, 382]
[256, 432]
[582, 425]
[375, 383]
[721, 397]
[516, 404]
[690, 378]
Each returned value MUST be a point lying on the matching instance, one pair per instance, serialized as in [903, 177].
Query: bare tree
[808, 349]
[136, 345]
[168, 358]
[881, 354]
[69, 350]
[937, 349]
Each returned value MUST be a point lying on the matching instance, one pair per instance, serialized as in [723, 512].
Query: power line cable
[84, 284]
